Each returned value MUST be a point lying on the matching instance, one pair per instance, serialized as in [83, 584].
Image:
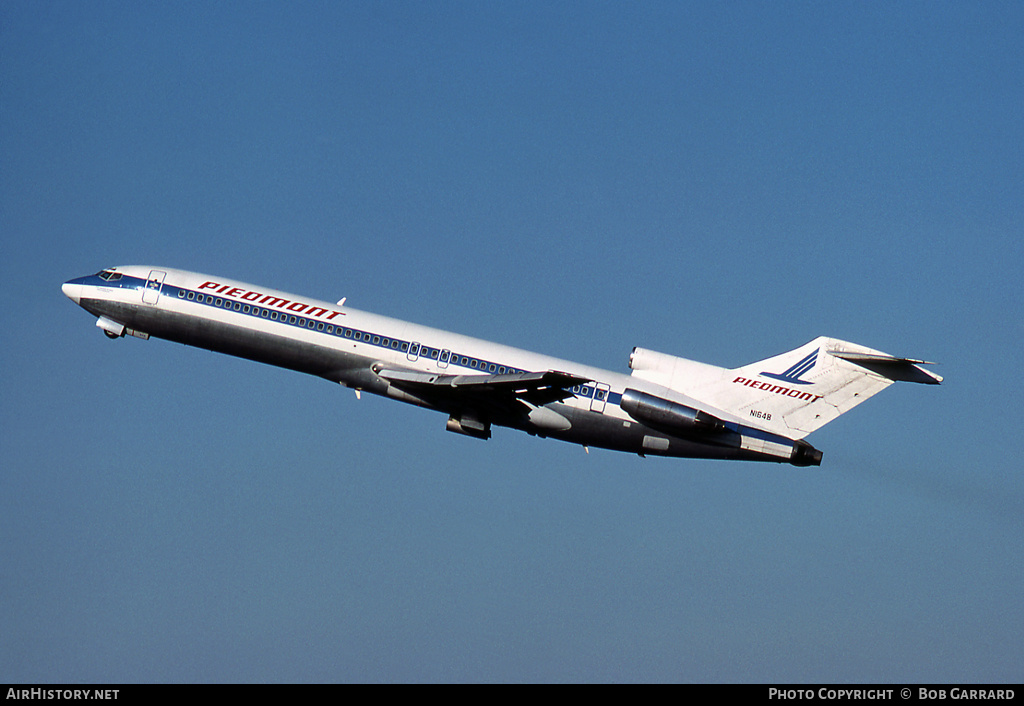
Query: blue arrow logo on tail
[793, 374]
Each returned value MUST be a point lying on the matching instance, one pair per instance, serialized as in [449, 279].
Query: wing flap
[537, 388]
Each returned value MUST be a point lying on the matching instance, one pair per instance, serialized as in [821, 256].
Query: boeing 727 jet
[667, 406]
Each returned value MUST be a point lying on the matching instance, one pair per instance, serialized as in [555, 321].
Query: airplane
[666, 406]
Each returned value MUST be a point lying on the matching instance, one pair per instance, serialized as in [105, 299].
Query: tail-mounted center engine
[669, 370]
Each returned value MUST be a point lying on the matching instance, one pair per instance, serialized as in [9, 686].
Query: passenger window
[191, 295]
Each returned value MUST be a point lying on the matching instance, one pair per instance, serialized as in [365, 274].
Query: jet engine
[805, 455]
[671, 417]
[669, 370]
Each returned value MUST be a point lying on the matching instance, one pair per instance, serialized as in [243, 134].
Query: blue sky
[721, 181]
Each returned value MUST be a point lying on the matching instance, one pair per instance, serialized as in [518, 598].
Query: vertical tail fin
[798, 392]
[795, 393]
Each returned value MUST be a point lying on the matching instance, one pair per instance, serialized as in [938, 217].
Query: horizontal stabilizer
[790, 394]
[896, 369]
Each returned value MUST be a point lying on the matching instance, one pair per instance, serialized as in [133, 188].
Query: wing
[499, 393]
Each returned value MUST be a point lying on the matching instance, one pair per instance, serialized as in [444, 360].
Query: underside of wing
[500, 391]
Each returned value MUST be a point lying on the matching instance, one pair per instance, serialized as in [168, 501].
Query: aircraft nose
[72, 290]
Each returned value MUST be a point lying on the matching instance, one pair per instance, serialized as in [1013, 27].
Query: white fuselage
[351, 347]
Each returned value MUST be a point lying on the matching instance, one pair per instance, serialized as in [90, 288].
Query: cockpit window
[108, 275]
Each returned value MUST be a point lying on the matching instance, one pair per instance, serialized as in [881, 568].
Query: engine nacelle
[671, 417]
[805, 455]
[669, 370]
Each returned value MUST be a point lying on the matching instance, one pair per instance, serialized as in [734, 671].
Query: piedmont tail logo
[792, 376]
